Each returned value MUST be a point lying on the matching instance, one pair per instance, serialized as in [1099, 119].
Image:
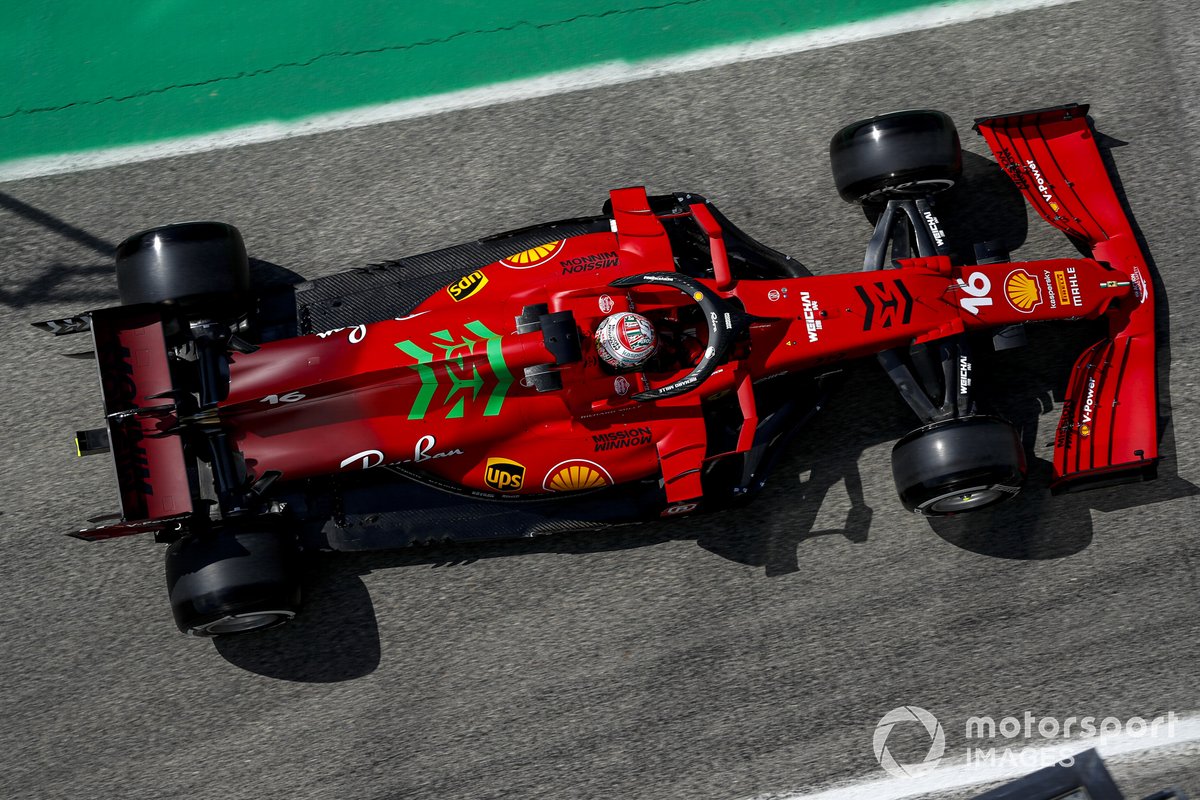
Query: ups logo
[468, 285]
[504, 475]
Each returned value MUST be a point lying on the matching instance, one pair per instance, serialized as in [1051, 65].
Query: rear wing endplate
[153, 478]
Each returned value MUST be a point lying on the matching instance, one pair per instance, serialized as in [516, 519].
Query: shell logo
[1085, 430]
[533, 256]
[1022, 291]
[576, 475]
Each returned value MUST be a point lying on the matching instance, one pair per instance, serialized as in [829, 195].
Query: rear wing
[154, 480]
[1108, 432]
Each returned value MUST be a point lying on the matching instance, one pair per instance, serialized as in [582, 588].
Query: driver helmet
[625, 340]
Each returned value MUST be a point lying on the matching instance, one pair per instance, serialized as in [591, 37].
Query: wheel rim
[912, 188]
[242, 623]
[964, 500]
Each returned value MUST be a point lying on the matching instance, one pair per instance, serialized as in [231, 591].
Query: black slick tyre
[199, 266]
[232, 581]
[897, 155]
[957, 466]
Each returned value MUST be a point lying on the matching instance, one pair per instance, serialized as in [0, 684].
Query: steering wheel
[725, 324]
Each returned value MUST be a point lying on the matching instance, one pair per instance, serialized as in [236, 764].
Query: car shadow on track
[57, 282]
[336, 637]
[1169, 485]
[816, 491]
[984, 207]
[94, 284]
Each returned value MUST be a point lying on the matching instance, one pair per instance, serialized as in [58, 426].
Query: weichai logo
[504, 475]
[467, 286]
[1023, 291]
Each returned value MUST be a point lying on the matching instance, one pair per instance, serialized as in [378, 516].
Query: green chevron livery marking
[464, 380]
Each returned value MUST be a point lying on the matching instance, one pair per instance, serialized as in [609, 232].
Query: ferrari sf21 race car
[648, 362]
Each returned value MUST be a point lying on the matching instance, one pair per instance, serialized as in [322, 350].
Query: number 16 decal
[978, 286]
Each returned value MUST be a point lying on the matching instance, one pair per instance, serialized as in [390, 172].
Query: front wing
[1108, 432]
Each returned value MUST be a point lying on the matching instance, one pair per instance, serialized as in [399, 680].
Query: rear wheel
[232, 581]
[198, 266]
[903, 154]
[959, 465]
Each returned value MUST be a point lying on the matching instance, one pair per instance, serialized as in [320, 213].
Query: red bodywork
[443, 390]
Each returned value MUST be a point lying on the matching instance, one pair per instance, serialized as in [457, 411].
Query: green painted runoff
[85, 75]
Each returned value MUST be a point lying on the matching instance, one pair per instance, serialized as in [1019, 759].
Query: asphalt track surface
[721, 658]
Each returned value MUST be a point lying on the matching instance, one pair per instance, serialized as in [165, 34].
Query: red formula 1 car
[647, 362]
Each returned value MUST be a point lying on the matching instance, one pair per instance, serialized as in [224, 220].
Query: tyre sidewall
[904, 154]
[216, 575]
[199, 266]
[978, 453]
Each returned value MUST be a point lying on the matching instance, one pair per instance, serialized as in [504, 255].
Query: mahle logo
[504, 475]
[937, 743]
[467, 286]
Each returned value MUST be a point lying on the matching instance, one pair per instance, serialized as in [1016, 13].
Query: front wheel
[958, 465]
[898, 155]
[232, 581]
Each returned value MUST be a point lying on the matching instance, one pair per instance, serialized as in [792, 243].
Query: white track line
[512, 91]
[955, 775]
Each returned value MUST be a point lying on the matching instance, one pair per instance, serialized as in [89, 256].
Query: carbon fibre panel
[394, 288]
[381, 510]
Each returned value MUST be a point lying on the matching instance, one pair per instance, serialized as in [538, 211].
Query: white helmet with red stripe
[626, 340]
